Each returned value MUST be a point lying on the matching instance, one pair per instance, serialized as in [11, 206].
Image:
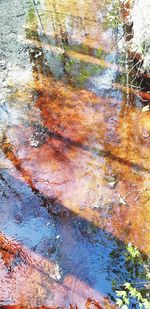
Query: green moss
[31, 18]
[31, 29]
[99, 52]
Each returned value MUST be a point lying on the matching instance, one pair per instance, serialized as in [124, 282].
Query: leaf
[127, 285]
[126, 300]
[120, 293]
[113, 283]
[133, 251]
[139, 296]
[148, 275]
[133, 292]
[146, 303]
[119, 302]
[145, 108]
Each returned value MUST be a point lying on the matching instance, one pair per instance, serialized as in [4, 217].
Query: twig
[141, 191]
[117, 42]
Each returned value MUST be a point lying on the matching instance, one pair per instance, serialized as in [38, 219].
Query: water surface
[74, 158]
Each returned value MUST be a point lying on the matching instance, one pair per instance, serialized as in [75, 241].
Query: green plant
[135, 292]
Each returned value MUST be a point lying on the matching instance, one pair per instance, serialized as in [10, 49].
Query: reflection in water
[74, 167]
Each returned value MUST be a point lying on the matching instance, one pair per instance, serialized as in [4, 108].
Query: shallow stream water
[74, 157]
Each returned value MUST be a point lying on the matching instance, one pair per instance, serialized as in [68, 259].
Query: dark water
[74, 159]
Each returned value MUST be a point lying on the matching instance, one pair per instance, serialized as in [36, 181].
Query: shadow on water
[88, 257]
[68, 143]
[84, 252]
[49, 252]
[80, 248]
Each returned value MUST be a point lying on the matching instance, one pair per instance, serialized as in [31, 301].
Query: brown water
[74, 160]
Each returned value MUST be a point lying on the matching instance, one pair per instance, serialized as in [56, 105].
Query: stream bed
[74, 159]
